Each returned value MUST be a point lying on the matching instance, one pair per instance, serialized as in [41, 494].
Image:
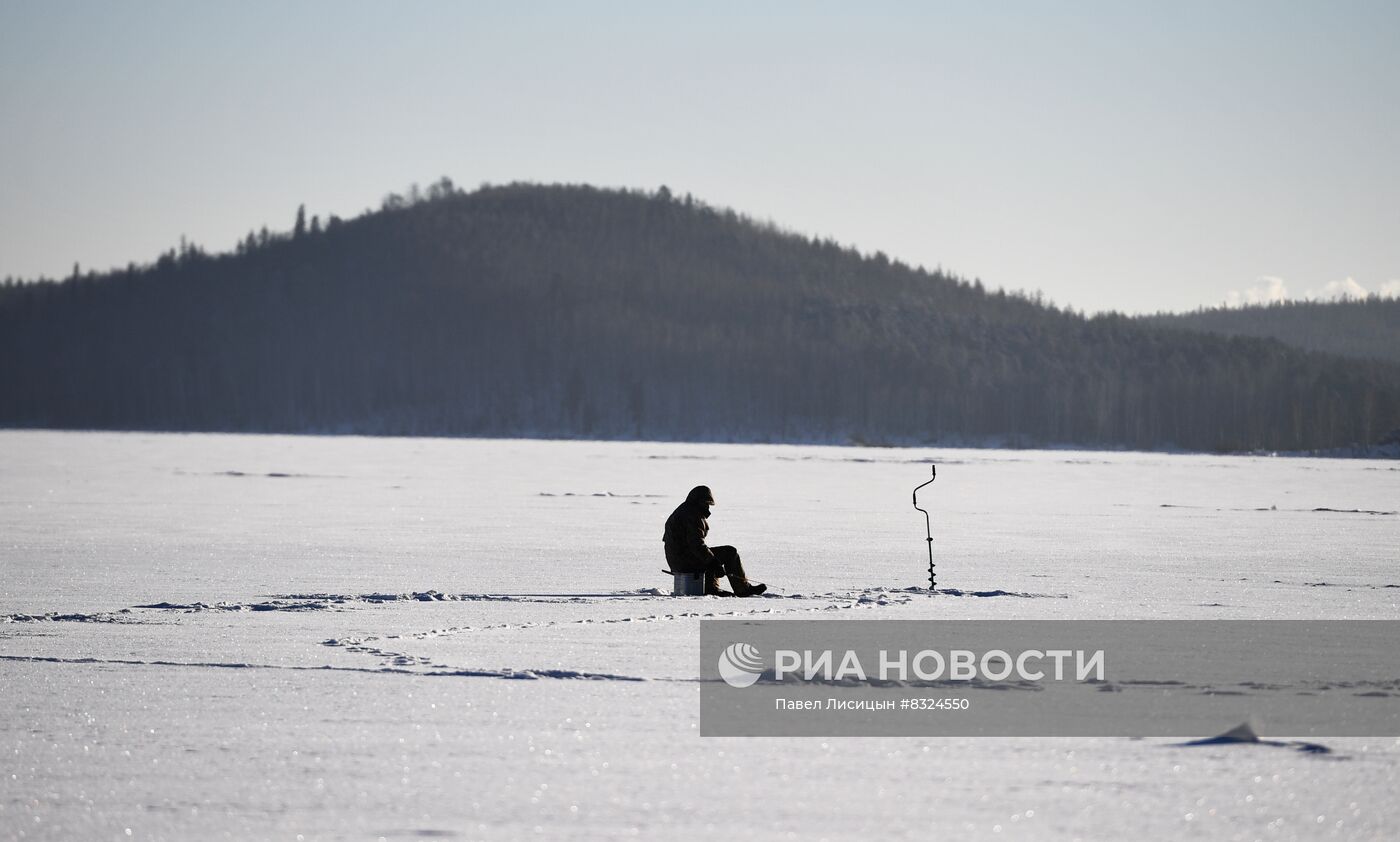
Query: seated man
[686, 552]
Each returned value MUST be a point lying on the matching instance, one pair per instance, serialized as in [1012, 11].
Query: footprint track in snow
[868, 598]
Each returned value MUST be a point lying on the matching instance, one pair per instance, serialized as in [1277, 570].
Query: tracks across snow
[1318, 509]
[384, 649]
[375, 646]
[378, 646]
[295, 602]
[525, 674]
[126, 615]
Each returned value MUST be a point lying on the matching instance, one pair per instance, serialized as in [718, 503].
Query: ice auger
[928, 529]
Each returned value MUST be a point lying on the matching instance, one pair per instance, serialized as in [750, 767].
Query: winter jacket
[686, 529]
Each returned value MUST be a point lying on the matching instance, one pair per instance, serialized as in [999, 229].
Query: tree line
[1353, 327]
[571, 311]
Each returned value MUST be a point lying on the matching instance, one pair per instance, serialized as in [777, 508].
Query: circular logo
[740, 665]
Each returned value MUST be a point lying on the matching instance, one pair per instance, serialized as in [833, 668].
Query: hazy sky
[1119, 155]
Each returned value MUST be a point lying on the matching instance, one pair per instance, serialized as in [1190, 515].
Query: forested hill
[577, 312]
[1368, 327]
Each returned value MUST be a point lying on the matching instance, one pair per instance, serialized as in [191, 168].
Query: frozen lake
[283, 682]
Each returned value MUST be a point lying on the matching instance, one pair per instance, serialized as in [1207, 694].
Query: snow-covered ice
[343, 637]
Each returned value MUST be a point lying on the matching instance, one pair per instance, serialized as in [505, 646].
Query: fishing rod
[928, 529]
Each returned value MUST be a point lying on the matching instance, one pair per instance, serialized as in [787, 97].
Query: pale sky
[1116, 155]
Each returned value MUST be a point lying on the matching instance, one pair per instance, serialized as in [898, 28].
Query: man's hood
[700, 496]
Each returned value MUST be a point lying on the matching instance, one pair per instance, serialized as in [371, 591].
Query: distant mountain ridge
[570, 311]
[1363, 328]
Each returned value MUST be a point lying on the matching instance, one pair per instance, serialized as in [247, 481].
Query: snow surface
[338, 637]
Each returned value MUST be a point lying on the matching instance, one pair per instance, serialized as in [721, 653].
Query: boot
[712, 587]
[743, 587]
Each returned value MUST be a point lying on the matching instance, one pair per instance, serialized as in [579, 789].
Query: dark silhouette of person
[686, 551]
